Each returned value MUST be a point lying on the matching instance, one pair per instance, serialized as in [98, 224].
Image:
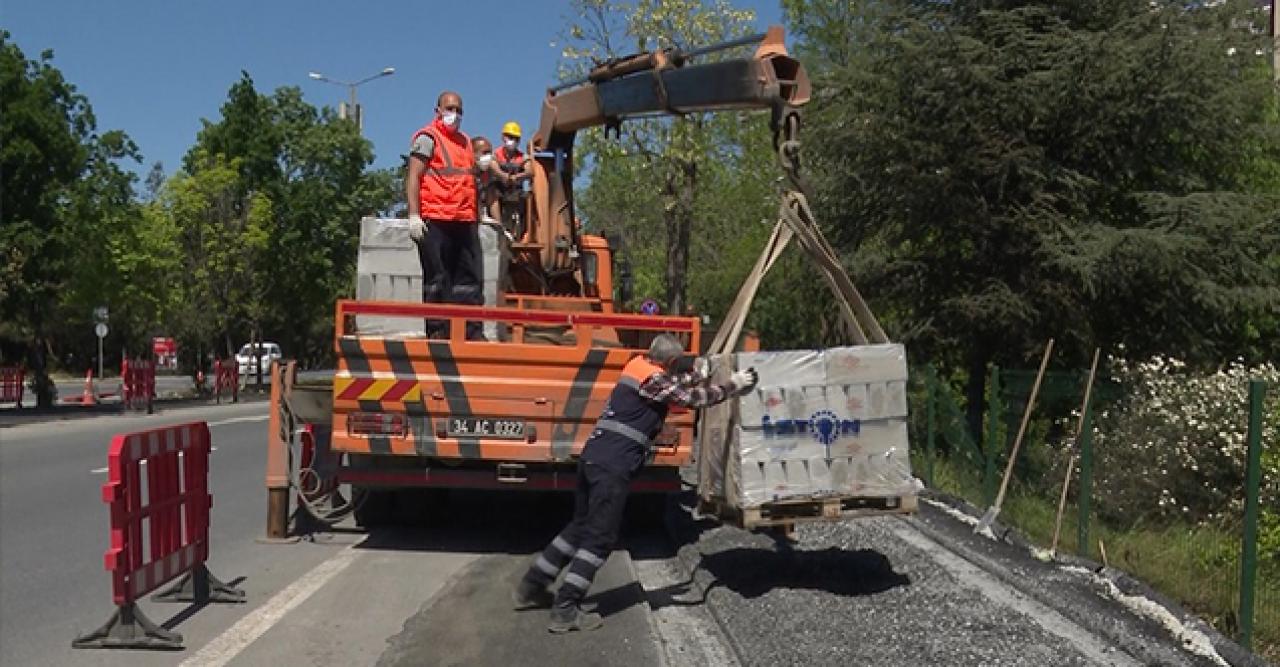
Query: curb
[654, 634]
[678, 521]
[1233, 653]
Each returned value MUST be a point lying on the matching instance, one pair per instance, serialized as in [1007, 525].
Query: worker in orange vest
[440, 187]
[515, 170]
[618, 447]
[510, 159]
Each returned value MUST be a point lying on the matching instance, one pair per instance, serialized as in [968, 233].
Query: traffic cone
[87, 397]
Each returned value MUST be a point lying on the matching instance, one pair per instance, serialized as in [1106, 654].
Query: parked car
[267, 351]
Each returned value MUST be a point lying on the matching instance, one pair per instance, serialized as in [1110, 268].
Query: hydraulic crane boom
[666, 81]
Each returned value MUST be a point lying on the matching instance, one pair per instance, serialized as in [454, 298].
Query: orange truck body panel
[556, 391]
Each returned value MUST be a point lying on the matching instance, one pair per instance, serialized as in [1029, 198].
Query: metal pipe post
[994, 412]
[930, 421]
[1249, 542]
[277, 477]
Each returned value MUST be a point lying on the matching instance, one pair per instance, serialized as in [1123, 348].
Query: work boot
[531, 595]
[571, 617]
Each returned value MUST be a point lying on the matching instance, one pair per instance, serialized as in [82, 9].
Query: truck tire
[376, 508]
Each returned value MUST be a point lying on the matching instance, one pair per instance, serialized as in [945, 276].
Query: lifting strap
[796, 219]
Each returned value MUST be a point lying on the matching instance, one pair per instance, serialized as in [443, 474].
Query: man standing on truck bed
[614, 452]
[440, 188]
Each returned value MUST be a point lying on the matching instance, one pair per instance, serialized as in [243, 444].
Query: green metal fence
[1210, 565]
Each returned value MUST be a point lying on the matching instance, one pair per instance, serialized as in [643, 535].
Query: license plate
[512, 429]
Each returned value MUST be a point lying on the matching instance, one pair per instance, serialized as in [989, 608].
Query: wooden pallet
[800, 510]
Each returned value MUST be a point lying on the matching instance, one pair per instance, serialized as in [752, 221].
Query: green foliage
[1000, 173]
[1174, 445]
[256, 235]
[288, 183]
[61, 193]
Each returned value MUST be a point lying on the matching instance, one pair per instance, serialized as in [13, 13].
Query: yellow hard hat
[512, 128]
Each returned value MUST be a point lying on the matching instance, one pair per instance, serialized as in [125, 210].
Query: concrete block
[820, 475]
[789, 368]
[864, 363]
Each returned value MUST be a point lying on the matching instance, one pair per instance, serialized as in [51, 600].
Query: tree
[59, 188]
[298, 184]
[1002, 172]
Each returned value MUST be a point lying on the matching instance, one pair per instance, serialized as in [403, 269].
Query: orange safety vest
[447, 191]
[638, 370]
[516, 160]
[624, 433]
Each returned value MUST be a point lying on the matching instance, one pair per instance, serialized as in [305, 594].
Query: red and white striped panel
[152, 575]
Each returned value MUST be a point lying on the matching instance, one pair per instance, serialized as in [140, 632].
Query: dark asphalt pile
[884, 592]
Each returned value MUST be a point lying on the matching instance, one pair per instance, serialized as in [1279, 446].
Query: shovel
[984, 525]
[1071, 462]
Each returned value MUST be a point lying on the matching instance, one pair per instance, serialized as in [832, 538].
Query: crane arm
[666, 81]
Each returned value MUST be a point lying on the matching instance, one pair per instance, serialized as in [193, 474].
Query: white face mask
[451, 119]
[485, 159]
[511, 144]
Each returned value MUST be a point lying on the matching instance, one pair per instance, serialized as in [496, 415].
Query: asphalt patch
[472, 622]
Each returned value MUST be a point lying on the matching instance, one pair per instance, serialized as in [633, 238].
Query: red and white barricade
[226, 377]
[160, 539]
[11, 384]
[138, 384]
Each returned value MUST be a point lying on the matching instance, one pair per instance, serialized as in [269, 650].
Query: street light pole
[1275, 43]
[352, 111]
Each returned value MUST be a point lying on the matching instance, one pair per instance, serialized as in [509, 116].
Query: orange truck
[514, 411]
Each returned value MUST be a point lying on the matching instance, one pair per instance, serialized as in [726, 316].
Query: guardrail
[159, 539]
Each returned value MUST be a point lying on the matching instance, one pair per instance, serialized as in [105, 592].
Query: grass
[1197, 566]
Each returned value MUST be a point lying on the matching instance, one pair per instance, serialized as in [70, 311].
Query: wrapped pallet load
[823, 435]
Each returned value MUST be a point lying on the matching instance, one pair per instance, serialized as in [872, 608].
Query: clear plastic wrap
[820, 423]
[388, 269]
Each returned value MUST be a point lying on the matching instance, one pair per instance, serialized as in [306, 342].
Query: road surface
[681, 591]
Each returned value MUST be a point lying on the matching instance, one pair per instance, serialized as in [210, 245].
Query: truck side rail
[585, 325]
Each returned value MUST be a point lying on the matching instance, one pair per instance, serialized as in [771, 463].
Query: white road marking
[229, 644]
[237, 420]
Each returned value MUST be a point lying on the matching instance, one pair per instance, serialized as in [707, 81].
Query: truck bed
[531, 398]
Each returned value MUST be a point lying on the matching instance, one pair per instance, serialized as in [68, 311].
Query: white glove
[744, 381]
[417, 228]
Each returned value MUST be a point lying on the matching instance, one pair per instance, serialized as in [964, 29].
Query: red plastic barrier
[11, 384]
[226, 375]
[156, 541]
[138, 384]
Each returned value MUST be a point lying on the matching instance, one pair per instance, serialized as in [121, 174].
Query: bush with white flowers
[1173, 446]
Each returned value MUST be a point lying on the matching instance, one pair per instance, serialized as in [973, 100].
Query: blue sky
[154, 68]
